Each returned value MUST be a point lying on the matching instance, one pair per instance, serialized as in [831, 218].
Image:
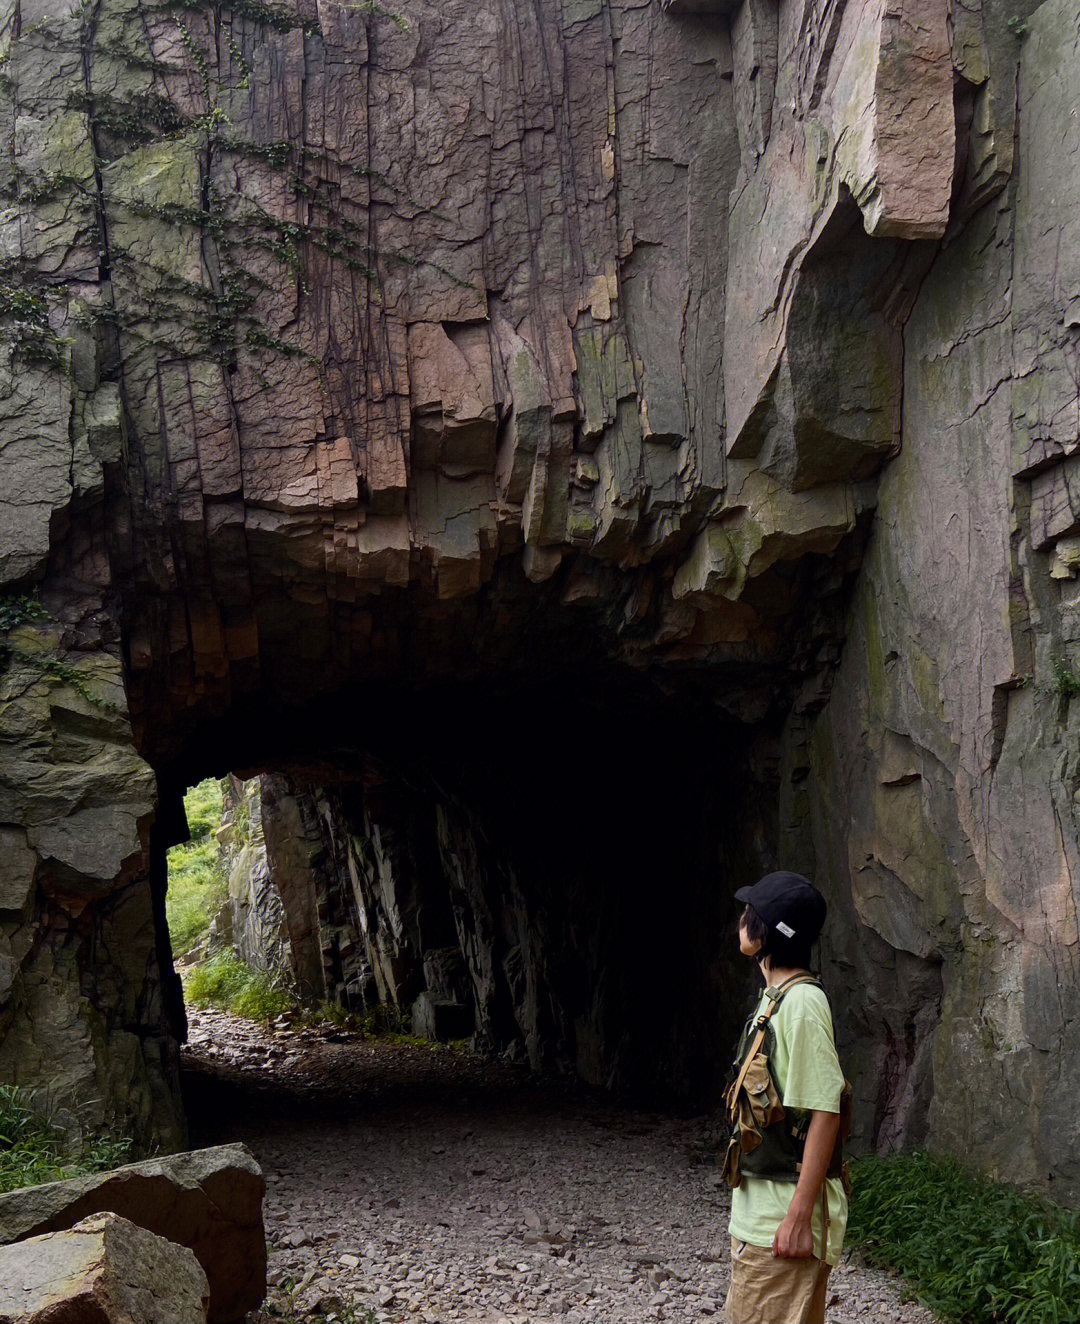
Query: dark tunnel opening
[550, 864]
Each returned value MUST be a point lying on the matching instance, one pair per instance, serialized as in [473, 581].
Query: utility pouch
[764, 1142]
[753, 1103]
[753, 1108]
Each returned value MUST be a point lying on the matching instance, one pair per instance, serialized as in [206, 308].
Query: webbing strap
[824, 1217]
[755, 1044]
[774, 995]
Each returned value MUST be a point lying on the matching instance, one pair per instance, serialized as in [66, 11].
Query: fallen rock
[209, 1200]
[104, 1270]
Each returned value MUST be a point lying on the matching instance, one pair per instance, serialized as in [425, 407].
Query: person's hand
[794, 1238]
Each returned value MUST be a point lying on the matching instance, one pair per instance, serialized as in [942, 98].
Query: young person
[787, 1227]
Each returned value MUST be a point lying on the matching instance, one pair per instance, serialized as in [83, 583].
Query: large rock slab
[76, 804]
[209, 1200]
[104, 1270]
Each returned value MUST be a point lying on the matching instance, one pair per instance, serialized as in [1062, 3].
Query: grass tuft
[32, 1151]
[197, 883]
[226, 980]
[974, 1249]
[203, 808]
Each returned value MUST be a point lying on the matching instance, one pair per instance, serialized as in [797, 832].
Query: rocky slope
[637, 432]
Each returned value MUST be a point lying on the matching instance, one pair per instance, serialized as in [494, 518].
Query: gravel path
[429, 1187]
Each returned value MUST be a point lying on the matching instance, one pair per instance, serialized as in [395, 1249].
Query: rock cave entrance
[544, 864]
[676, 479]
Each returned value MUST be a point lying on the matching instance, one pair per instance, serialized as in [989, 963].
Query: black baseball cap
[787, 902]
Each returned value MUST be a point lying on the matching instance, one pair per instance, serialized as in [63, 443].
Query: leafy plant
[1066, 680]
[387, 1021]
[27, 311]
[33, 1151]
[122, 113]
[226, 980]
[197, 891]
[241, 823]
[333, 1013]
[19, 609]
[197, 884]
[974, 1249]
[203, 808]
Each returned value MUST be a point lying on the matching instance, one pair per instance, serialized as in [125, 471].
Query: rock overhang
[342, 375]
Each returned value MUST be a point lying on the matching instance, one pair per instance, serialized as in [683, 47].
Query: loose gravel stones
[433, 1189]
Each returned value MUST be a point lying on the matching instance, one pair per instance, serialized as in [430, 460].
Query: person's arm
[794, 1238]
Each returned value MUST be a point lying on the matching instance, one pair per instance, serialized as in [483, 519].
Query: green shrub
[202, 806]
[197, 884]
[1066, 680]
[32, 1151]
[385, 1021]
[974, 1249]
[227, 981]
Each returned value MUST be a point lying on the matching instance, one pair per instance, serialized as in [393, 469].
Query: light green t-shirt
[808, 1076]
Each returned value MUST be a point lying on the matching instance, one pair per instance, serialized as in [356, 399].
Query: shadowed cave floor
[432, 1187]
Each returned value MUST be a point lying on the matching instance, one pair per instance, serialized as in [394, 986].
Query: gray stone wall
[942, 787]
[83, 1021]
[256, 927]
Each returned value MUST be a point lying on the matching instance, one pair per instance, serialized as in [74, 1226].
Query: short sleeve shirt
[808, 1076]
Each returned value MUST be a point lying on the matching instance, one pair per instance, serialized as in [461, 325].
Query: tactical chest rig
[765, 1140]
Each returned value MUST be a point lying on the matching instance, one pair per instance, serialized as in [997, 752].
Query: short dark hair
[784, 952]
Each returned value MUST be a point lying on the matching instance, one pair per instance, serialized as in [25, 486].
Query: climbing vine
[25, 311]
[125, 95]
[21, 609]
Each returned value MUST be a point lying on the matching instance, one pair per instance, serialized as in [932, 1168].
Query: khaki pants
[768, 1290]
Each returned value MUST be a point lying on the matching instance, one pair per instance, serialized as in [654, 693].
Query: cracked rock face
[102, 1268]
[349, 355]
[208, 1201]
[385, 315]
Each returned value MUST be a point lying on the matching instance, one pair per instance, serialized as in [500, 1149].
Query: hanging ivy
[22, 609]
[219, 318]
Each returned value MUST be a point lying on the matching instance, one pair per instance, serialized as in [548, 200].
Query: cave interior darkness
[577, 839]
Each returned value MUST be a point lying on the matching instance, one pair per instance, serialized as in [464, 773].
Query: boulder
[209, 1200]
[104, 1270]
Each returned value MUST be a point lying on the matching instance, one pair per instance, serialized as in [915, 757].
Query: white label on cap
[786, 929]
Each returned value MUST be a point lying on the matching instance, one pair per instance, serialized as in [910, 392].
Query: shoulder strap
[760, 1026]
[775, 996]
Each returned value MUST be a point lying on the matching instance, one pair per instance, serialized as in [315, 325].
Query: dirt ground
[424, 1185]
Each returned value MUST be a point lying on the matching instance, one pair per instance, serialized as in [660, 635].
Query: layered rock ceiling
[614, 445]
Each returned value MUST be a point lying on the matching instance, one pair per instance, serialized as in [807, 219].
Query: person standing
[788, 1203]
